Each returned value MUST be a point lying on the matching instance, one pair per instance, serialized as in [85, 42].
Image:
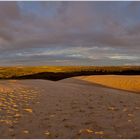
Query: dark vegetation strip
[65, 72]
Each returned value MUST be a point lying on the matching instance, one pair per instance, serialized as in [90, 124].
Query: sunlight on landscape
[27, 109]
[130, 83]
[69, 70]
[13, 101]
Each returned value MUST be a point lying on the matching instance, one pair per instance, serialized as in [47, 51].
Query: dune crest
[129, 83]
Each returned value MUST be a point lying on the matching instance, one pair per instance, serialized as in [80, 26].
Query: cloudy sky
[70, 33]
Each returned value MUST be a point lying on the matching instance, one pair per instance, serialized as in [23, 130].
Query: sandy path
[67, 109]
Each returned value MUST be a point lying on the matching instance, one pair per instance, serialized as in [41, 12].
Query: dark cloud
[28, 27]
[9, 10]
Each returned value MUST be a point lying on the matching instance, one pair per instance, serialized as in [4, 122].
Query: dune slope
[67, 109]
[130, 83]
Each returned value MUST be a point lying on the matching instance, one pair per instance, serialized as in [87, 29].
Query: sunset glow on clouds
[69, 33]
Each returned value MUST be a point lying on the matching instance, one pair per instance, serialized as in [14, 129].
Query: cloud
[83, 31]
[124, 57]
[9, 10]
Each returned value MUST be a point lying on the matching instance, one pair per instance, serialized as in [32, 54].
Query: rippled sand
[15, 100]
[66, 109]
[130, 83]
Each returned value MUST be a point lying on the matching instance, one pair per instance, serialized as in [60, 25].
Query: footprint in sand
[26, 131]
[112, 108]
[12, 103]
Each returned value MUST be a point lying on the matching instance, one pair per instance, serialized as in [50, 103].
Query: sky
[69, 33]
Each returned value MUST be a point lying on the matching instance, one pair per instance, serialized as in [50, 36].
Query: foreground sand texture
[68, 108]
[130, 83]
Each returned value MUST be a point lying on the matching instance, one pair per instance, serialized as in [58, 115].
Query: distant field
[130, 83]
[61, 72]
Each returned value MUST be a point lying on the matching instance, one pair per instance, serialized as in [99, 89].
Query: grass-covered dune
[61, 72]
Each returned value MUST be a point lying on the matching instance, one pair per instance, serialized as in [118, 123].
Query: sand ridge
[129, 83]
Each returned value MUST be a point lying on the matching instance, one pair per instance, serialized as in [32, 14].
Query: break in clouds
[70, 33]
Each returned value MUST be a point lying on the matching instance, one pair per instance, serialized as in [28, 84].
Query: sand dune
[130, 83]
[69, 108]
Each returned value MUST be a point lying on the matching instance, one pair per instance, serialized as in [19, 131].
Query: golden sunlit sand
[69, 108]
[69, 69]
[130, 83]
[13, 98]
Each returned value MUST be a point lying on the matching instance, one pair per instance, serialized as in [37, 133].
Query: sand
[68, 108]
[129, 83]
